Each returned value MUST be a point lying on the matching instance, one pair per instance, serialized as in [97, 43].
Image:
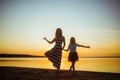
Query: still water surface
[85, 64]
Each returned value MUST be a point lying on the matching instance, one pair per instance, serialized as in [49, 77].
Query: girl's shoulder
[74, 44]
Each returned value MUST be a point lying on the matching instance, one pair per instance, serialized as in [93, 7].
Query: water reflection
[87, 64]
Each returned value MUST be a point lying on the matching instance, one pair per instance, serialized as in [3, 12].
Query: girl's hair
[72, 40]
[58, 33]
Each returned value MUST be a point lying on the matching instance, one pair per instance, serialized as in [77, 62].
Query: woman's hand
[45, 38]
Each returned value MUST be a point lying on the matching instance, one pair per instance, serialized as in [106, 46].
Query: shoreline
[23, 73]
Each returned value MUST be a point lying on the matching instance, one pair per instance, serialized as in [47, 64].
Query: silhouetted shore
[19, 56]
[19, 73]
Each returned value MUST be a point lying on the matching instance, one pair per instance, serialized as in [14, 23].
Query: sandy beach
[21, 73]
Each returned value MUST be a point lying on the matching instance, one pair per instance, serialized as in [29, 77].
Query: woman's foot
[70, 68]
[57, 71]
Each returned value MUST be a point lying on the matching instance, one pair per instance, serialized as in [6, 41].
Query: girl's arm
[83, 46]
[67, 49]
[50, 42]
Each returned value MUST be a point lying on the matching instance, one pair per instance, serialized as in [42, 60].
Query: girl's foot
[70, 68]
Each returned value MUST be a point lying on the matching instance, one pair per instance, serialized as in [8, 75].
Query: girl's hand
[88, 46]
[65, 50]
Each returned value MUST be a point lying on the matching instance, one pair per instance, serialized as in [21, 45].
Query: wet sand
[22, 73]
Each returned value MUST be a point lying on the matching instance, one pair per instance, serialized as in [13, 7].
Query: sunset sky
[24, 23]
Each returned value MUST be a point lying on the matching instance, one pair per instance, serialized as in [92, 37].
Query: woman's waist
[60, 47]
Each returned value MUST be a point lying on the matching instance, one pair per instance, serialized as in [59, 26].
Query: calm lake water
[84, 64]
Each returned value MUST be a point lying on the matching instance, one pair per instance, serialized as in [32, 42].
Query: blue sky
[26, 22]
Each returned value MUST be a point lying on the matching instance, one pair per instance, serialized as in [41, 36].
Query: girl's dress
[73, 56]
[55, 54]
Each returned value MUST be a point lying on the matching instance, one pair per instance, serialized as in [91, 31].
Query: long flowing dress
[55, 54]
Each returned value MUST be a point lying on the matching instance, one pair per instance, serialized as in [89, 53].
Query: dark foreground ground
[18, 73]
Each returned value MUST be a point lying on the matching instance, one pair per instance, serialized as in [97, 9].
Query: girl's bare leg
[73, 66]
[70, 68]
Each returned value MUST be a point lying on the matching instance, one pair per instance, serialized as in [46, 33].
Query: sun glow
[24, 24]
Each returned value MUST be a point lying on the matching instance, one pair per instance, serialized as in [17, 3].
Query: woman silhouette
[55, 54]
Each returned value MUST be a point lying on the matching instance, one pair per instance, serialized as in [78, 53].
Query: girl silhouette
[73, 56]
[55, 54]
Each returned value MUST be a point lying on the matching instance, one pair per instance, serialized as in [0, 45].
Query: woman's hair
[72, 40]
[58, 32]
